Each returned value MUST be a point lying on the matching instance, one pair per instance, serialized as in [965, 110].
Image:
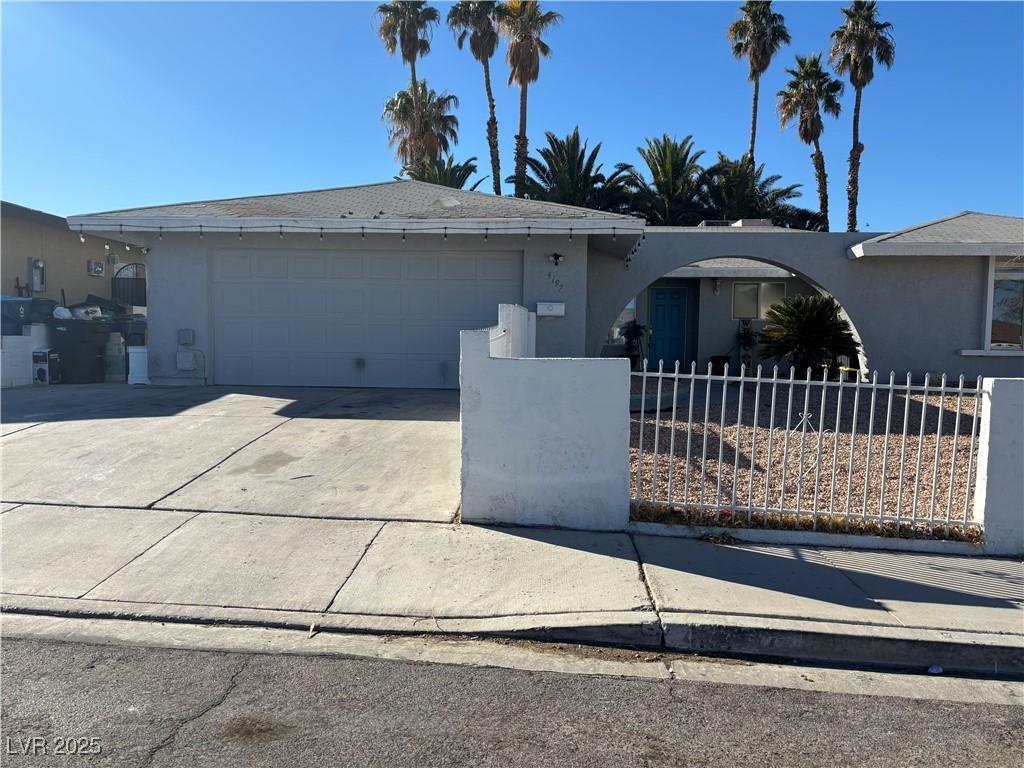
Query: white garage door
[353, 318]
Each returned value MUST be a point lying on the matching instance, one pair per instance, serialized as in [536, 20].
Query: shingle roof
[967, 234]
[966, 227]
[387, 201]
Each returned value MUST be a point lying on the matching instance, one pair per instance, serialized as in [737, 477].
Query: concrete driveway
[309, 452]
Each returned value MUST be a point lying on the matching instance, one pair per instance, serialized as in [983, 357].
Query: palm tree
[734, 189]
[808, 331]
[421, 128]
[672, 196]
[523, 23]
[757, 36]
[811, 91]
[405, 27]
[478, 21]
[856, 45]
[445, 172]
[566, 173]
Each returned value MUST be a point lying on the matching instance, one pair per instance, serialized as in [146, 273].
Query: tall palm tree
[566, 173]
[734, 189]
[856, 45]
[757, 36]
[811, 91]
[478, 22]
[405, 27]
[421, 128]
[523, 22]
[672, 196]
[445, 172]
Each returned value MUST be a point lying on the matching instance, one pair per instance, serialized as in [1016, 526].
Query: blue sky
[124, 104]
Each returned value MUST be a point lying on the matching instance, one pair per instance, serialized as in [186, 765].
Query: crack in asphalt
[170, 737]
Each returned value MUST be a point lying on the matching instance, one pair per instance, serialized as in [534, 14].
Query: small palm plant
[809, 332]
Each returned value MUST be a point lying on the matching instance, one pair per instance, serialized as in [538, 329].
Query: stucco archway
[706, 327]
[912, 313]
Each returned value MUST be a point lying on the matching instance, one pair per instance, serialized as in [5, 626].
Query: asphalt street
[139, 706]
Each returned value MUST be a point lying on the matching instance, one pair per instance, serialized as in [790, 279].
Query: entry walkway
[616, 588]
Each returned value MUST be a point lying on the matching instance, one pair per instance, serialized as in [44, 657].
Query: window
[750, 301]
[1007, 327]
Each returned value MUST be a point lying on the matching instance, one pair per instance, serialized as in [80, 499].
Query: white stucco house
[370, 285]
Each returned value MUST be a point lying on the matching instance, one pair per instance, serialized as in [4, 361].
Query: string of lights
[360, 229]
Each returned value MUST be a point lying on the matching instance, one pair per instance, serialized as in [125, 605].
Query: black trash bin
[718, 363]
[82, 345]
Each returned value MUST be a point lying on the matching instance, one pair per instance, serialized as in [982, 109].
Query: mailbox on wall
[550, 309]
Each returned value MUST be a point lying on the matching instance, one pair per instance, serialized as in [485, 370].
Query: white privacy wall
[545, 441]
[999, 486]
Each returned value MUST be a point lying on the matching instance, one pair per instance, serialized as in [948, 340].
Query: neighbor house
[370, 285]
[41, 258]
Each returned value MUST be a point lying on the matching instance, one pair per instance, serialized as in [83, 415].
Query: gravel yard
[808, 470]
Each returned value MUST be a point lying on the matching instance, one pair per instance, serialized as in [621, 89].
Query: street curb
[972, 652]
[618, 628]
[820, 641]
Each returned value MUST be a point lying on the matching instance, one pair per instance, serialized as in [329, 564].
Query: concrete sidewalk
[964, 613]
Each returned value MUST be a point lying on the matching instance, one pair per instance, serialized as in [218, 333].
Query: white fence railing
[871, 456]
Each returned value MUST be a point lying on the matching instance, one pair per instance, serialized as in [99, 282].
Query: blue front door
[668, 327]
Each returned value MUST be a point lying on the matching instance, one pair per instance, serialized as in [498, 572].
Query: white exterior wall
[544, 441]
[179, 280]
[16, 354]
[999, 485]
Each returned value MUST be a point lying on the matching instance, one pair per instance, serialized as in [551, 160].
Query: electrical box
[36, 275]
[550, 309]
[186, 360]
[186, 337]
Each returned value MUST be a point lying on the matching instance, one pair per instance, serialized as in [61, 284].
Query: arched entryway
[710, 312]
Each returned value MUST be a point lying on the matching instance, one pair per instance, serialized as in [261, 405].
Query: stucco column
[999, 484]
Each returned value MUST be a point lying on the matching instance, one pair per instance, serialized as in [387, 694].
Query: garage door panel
[490, 296]
[310, 299]
[308, 266]
[234, 265]
[347, 301]
[270, 299]
[421, 267]
[347, 266]
[235, 369]
[236, 335]
[384, 300]
[420, 303]
[234, 298]
[365, 318]
[308, 336]
[500, 267]
[385, 267]
[459, 267]
[386, 337]
[345, 338]
[346, 371]
[271, 265]
[271, 335]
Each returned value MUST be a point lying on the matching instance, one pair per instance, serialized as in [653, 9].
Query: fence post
[999, 484]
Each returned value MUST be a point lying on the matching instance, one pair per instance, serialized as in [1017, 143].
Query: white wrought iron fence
[884, 457]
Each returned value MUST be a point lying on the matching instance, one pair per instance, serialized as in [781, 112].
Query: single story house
[370, 285]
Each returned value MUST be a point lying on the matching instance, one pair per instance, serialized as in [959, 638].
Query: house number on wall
[553, 279]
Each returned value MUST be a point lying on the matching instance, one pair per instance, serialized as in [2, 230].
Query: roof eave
[935, 249]
[613, 224]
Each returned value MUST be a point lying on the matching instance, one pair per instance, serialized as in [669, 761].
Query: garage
[364, 286]
[353, 318]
